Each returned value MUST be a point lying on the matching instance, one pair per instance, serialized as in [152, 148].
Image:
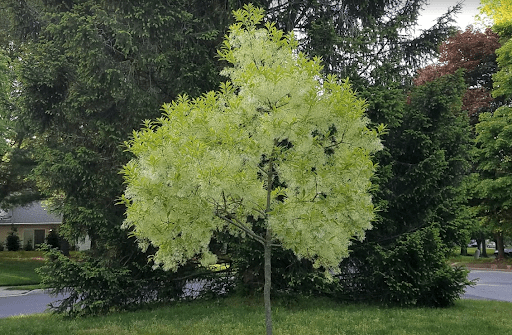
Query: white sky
[438, 7]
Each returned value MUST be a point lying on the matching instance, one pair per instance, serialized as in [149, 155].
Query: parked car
[491, 245]
[472, 244]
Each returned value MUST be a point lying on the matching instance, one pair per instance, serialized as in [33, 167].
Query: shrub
[28, 245]
[412, 271]
[53, 239]
[98, 286]
[13, 240]
[290, 275]
[1, 246]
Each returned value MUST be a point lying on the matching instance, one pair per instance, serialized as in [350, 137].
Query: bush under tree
[93, 286]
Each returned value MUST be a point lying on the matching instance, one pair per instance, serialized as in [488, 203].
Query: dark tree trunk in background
[463, 250]
[499, 245]
[484, 246]
[64, 247]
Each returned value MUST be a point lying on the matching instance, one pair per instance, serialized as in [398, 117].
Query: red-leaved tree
[473, 51]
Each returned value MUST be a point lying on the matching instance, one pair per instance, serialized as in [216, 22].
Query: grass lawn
[18, 267]
[307, 316]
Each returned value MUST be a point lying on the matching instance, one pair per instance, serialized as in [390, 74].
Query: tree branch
[235, 222]
[261, 170]
[260, 211]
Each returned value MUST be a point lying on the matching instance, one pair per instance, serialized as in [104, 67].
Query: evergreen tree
[366, 40]
[374, 45]
[428, 158]
[403, 259]
[15, 164]
[474, 52]
[88, 73]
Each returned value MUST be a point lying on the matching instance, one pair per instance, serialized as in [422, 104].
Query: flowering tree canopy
[213, 161]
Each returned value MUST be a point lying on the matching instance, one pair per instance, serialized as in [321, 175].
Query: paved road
[29, 303]
[14, 303]
[491, 285]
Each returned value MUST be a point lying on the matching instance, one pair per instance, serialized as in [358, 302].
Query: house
[33, 222]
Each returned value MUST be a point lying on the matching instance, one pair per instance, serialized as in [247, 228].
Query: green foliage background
[88, 73]
[91, 71]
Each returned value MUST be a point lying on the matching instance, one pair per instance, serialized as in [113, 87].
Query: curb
[486, 267]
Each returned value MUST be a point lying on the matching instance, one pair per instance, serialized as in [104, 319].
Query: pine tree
[374, 45]
[88, 73]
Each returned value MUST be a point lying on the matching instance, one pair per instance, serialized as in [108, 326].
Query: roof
[34, 213]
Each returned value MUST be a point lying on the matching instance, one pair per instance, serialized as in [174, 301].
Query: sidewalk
[4, 292]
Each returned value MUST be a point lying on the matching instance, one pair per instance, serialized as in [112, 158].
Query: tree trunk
[499, 245]
[463, 250]
[64, 247]
[484, 247]
[478, 243]
[268, 253]
[268, 281]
